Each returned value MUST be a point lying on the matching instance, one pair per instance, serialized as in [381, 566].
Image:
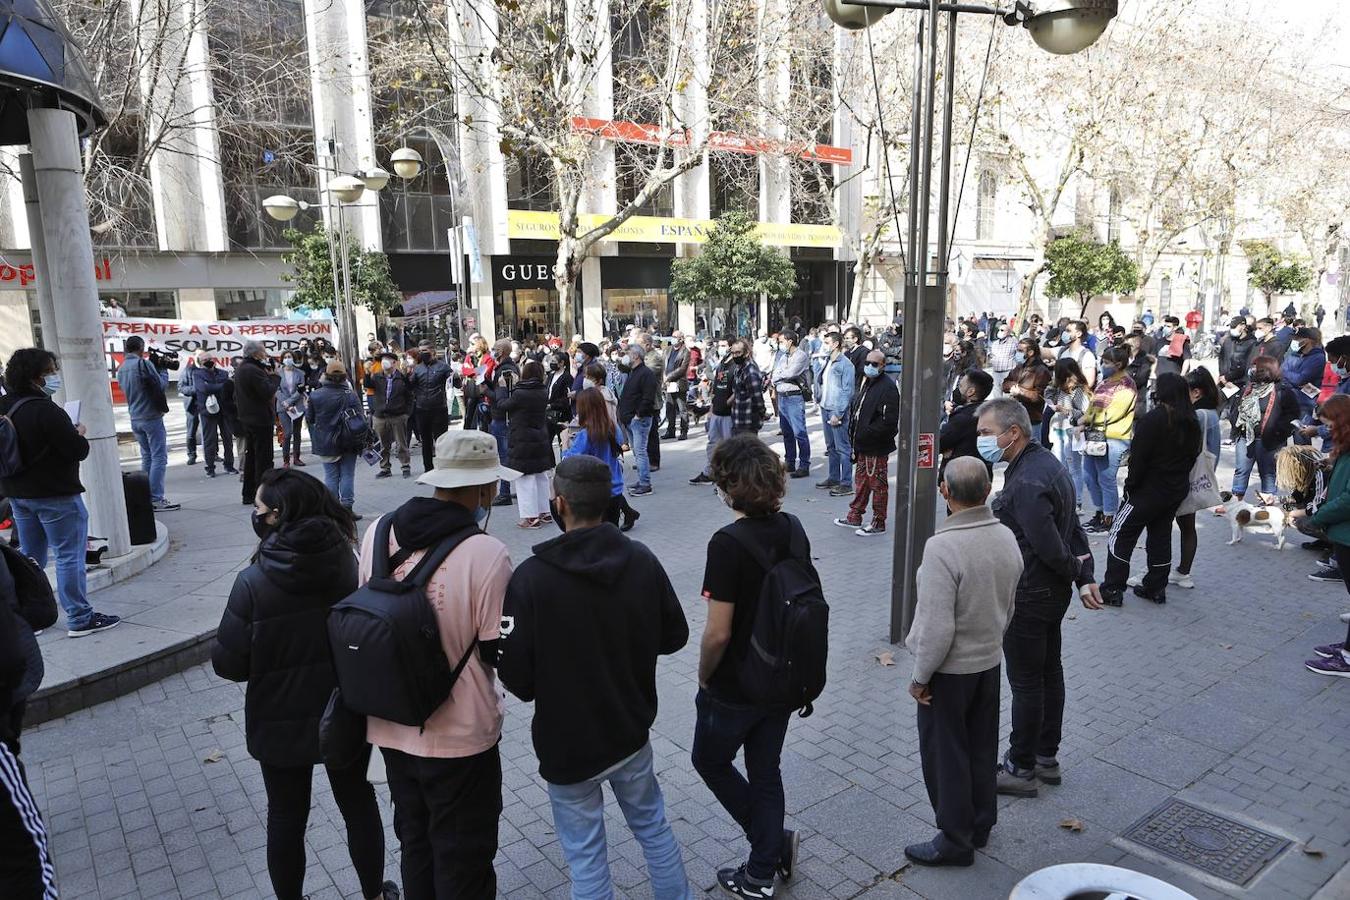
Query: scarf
[1249, 410]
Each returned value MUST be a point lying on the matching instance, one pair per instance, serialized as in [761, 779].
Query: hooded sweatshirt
[583, 623]
[274, 635]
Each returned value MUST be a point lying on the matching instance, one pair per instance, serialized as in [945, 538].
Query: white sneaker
[1181, 581]
[1135, 581]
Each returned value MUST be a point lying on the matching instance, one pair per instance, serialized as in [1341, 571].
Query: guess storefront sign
[510, 272]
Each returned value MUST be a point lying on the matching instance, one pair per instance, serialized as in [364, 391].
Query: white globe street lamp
[375, 178]
[283, 208]
[1069, 26]
[347, 189]
[407, 163]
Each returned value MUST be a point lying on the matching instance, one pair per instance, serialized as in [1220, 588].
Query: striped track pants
[26, 870]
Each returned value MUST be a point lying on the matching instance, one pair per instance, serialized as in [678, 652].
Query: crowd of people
[1098, 431]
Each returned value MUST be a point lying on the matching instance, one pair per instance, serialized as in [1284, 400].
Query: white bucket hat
[464, 459]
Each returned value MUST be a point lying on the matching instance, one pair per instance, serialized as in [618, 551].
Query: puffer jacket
[428, 385]
[529, 446]
[206, 383]
[274, 636]
[326, 406]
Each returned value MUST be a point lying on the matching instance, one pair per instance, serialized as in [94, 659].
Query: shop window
[647, 308]
[145, 304]
[251, 303]
[527, 313]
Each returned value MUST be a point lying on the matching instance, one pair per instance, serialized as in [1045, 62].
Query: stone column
[46, 308]
[70, 275]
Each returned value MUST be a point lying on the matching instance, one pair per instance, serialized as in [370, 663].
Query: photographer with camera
[143, 382]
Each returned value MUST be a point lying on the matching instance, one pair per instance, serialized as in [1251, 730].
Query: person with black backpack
[273, 635]
[438, 726]
[762, 590]
[40, 456]
[338, 432]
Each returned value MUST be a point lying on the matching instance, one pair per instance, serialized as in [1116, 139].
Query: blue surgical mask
[288, 361]
[1108, 371]
[51, 383]
[481, 514]
[579, 359]
[871, 371]
[1020, 357]
[1340, 371]
[989, 449]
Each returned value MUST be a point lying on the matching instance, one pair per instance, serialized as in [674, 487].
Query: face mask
[579, 359]
[1065, 339]
[1002, 335]
[208, 364]
[1108, 371]
[288, 362]
[480, 516]
[51, 383]
[1340, 371]
[989, 449]
[1261, 335]
[557, 516]
[551, 363]
[722, 496]
[784, 348]
[1235, 332]
[389, 365]
[871, 371]
[1020, 357]
[624, 365]
[261, 527]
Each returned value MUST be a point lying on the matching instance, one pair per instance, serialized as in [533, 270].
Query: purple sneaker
[1334, 666]
[1329, 651]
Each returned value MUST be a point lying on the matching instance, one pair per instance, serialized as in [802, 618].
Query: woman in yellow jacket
[1111, 413]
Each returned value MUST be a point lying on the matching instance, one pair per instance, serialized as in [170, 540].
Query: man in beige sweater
[966, 585]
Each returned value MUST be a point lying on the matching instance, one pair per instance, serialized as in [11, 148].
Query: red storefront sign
[926, 460]
[726, 141]
[26, 275]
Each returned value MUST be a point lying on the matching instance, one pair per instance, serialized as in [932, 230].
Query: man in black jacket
[209, 380]
[505, 376]
[1038, 503]
[580, 644]
[637, 412]
[255, 398]
[1236, 351]
[875, 421]
[430, 408]
[390, 405]
[676, 386]
[957, 437]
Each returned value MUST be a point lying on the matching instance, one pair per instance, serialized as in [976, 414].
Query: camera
[162, 359]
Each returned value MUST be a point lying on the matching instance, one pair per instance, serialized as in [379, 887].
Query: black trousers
[677, 410]
[1031, 650]
[618, 507]
[1141, 512]
[259, 454]
[445, 815]
[26, 869]
[958, 747]
[755, 800]
[654, 444]
[288, 803]
[191, 435]
[216, 437]
[431, 424]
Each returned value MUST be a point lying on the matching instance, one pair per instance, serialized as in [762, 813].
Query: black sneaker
[629, 520]
[390, 891]
[826, 484]
[1093, 522]
[501, 501]
[1113, 598]
[738, 883]
[803, 472]
[98, 622]
[384, 473]
[639, 490]
[787, 860]
[701, 478]
[1326, 575]
[1315, 545]
[230, 470]
[407, 472]
[1159, 598]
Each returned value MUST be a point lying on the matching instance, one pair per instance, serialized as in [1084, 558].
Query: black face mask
[261, 527]
[625, 365]
[557, 516]
[208, 364]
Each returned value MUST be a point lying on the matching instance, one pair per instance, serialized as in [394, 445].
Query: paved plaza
[1205, 699]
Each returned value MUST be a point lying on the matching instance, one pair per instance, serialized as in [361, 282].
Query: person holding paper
[291, 399]
[1302, 370]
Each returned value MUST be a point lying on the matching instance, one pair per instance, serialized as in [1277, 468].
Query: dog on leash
[1242, 515]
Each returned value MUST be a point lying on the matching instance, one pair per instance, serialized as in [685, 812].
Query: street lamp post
[1057, 26]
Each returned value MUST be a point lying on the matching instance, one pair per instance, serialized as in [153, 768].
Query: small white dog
[1242, 515]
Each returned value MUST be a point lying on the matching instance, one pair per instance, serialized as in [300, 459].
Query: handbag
[212, 405]
[342, 733]
[1204, 486]
[1094, 442]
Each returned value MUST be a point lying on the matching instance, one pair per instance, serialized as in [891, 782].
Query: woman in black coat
[558, 383]
[274, 636]
[529, 445]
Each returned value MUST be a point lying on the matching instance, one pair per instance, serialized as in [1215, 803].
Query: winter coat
[876, 417]
[49, 446]
[255, 390]
[326, 406]
[274, 635]
[209, 382]
[1300, 369]
[291, 390]
[399, 400]
[529, 447]
[428, 385]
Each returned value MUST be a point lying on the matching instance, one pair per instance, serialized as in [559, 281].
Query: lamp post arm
[978, 8]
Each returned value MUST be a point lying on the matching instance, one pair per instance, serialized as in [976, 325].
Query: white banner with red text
[224, 341]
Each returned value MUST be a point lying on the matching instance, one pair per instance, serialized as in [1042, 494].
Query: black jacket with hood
[580, 643]
[274, 635]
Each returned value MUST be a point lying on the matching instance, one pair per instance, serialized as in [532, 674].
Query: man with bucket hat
[445, 778]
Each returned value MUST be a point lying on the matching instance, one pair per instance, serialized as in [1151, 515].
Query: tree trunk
[861, 268]
[566, 270]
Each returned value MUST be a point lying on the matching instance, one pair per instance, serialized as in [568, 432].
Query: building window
[251, 303]
[985, 199]
[145, 304]
[529, 183]
[812, 191]
[121, 207]
[1113, 215]
[416, 214]
[1165, 295]
[633, 163]
[733, 180]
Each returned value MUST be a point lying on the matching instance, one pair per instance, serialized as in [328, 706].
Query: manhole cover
[1212, 843]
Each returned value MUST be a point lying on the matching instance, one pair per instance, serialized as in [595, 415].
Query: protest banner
[224, 341]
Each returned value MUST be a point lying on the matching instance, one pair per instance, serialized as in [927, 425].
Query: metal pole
[46, 306]
[915, 486]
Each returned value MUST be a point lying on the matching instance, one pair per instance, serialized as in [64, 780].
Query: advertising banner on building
[222, 340]
[537, 225]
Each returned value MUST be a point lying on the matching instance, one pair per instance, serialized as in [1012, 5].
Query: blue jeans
[719, 429]
[792, 420]
[755, 800]
[838, 449]
[1249, 456]
[1100, 473]
[639, 429]
[498, 428]
[154, 452]
[1072, 459]
[579, 817]
[61, 524]
[340, 477]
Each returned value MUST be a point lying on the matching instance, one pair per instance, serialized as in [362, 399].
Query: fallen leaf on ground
[1315, 854]
[214, 756]
[885, 657]
[1074, 825]
[1226, 646]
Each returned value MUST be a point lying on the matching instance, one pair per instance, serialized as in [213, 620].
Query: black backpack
[11, 461]
[351, 433]
[789, 640]
[386, 641]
